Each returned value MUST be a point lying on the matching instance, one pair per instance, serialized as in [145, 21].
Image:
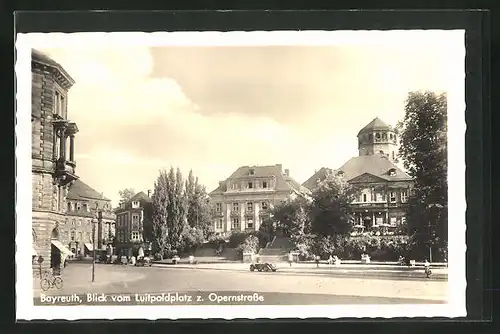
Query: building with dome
[383, 186]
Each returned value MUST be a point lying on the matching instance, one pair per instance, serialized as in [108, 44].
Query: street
[278, 288]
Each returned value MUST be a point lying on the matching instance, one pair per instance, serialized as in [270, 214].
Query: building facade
[134, 224]
[242, 201]
[382, 186]
[83, 204]
[53, 161]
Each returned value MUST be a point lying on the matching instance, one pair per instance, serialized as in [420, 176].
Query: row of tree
[180, 215]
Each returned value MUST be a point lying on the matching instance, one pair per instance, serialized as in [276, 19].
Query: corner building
[53, 162]
[383, 187]
[134, 224]
[242, 201]
[83, 203]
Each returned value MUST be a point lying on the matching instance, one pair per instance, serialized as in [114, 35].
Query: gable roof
[82, 191]
[317, 177]
[375, 124]
[283, 182]
[140, 196]
[376, 165]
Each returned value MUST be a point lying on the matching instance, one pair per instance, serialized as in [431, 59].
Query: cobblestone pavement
[306, 289]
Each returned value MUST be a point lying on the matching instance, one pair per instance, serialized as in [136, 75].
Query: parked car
[263, 267]
[143, 262]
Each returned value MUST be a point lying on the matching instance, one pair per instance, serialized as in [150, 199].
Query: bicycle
[49, 280]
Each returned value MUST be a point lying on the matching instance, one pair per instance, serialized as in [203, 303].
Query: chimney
[149, 193]
[287, 172]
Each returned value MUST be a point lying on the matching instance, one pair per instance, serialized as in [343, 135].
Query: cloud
[212, 109]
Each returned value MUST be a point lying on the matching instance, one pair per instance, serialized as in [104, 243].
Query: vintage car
[143, 262]
[263, 267]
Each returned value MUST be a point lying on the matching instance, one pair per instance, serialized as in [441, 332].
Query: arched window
[55, 233]
[390, 136]
[377, 135]
[69, 206]
[384, 136]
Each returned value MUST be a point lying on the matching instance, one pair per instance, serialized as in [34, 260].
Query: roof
[376, 165]
[283, 182]
[317, 177]
[375, 124]
[42, 58]
[82, 191]
[140, 196]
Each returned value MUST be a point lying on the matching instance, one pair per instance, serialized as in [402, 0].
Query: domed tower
[378, 138]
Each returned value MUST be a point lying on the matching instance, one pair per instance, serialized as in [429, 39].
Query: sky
[211, 109]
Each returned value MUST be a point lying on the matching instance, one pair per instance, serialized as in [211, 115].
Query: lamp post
[94, 223]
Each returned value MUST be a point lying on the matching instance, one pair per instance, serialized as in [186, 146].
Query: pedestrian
[317, 261]
[330, 260]
[290, 258]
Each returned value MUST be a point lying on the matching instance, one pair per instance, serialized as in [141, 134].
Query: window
[379, 197]
[72, 235]
[218, 224]
[364, 197]
[236, 207]
[384, 136]
[135, 236]
[390, 136]
[264, 184]
[218, 207]
[249, 223]
[252, 171]
[79, 222]
[392, 171]
[393, 197]
[249, 206]
[265, 205]
[393, 156]
[59, 105]
[235, 224]
[135, 204]
[234, 186]
[73, 222]
[85, 207]
[250, 185]
[78, 206]
[135, 221]
[340, 174]
[393, 221]
[69, 206]
[404, 196]
[377, 135]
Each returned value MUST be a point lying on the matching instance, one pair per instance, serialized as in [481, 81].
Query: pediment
[366, 178]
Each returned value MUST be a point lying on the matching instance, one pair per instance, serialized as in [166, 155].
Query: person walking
[290, 258]
[317, 261]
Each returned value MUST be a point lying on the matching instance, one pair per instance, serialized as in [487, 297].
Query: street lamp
[94, 223]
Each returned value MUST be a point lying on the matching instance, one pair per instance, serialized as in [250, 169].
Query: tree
[126, 194]
[199, 213]
[330, 213]
[160, 203]
[169, 208]
[423, 150]
[290, 219]
[192, 238]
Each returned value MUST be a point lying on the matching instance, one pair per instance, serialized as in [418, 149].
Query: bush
[249, 245]
[237, 238]
[379, 248]
[158, 256]
[191, 240]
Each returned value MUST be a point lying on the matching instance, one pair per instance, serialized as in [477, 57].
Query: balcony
[65, 171]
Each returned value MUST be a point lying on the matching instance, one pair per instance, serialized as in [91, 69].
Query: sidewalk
[324, 269]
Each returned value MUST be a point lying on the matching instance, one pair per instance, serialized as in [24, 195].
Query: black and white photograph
[240, 174]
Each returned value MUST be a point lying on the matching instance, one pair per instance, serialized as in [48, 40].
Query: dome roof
[375, 124]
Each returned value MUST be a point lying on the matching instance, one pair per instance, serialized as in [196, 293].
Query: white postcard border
[456, 174]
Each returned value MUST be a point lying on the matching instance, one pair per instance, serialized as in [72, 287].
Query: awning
[90, 247]
[62, 248]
